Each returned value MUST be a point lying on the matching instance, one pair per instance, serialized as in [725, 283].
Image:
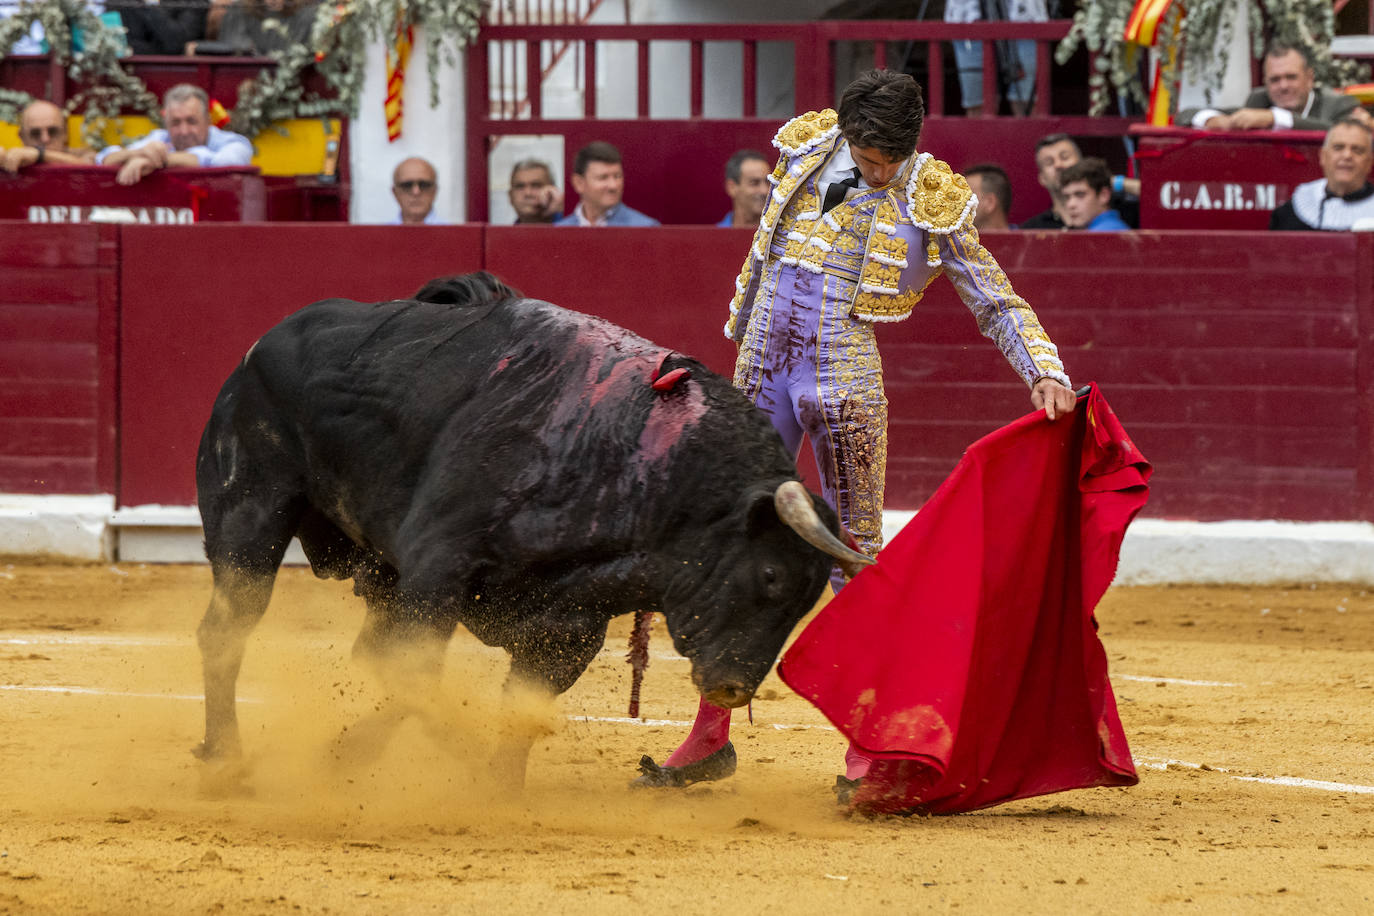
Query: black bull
[507, 465]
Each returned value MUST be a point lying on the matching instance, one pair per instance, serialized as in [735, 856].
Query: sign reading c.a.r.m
[1220, 195]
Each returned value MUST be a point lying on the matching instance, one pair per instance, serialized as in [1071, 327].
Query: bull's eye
[770, 575]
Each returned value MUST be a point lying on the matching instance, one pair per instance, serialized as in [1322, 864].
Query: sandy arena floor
[103, 809]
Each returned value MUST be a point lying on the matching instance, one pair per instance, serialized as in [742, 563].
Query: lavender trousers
[816, 373]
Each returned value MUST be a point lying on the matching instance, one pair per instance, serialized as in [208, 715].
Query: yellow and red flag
[397, 56]
[1150, 26]
[219, 116]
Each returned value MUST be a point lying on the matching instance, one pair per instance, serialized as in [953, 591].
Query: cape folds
[966, 662]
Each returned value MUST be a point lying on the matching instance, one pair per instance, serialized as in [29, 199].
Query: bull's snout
[728, 696]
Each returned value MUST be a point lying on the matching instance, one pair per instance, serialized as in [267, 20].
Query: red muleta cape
[966, 661]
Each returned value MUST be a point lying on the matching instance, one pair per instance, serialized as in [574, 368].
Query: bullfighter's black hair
[466, 289]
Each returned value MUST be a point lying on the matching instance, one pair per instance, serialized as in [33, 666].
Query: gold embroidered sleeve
[1003, 317]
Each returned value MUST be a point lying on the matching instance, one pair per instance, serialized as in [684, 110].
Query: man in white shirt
[186, 140]
[1343, 195]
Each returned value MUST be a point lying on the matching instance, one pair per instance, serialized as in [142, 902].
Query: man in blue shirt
[599, 180]
[186, 140]
[746, 183]
[1086, 190]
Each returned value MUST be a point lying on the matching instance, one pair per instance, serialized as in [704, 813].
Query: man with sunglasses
[415, 184]
[43, 131]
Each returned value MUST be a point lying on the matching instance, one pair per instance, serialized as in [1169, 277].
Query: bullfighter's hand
[1056, 399]
[1252, 119]
[135, 170]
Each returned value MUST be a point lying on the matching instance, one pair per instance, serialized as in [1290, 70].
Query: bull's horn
[797, 512]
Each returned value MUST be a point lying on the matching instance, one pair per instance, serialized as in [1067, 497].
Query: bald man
[415, 184]
[43, 131]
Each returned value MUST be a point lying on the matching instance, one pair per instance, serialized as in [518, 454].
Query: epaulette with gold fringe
[939, 201]
[807, 131]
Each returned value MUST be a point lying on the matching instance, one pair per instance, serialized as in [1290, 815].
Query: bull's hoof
[225, 779]
[713, 766]
[845, 788]
[217, 752]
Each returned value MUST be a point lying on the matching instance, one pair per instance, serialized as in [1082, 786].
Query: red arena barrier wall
[58, 311]
[194, 300]
[1240, 363]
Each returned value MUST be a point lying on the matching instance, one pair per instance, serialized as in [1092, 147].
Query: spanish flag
[219, 116]
[397, 56]
[966, 661]
[1151, 26]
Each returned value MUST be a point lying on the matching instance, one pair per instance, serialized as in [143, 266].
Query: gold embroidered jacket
[927, 207]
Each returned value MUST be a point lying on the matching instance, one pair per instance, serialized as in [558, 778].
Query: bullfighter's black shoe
[845, 788]
[717, 765]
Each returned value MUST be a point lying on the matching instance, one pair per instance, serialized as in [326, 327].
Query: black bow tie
[835, 194]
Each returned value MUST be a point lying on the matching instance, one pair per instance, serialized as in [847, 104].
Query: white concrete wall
[69, 527]
[669, 63]
[435, 134]
[1236, 79]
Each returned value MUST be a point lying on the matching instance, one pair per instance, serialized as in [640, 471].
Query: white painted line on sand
[1152, 763]
[86, 639]
[1163, 763]
[1309, 784]
[685, 723]
[96, 691]
[49, 639]
[626, 720]
[1182, 682]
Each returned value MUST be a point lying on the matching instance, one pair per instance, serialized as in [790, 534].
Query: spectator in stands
[599, 180]
[746, 184]
[1085, 192]
[415, 184]
[43, 133]
[35, 40]
[256, 28]
[1288, 100]
[186, 140]
[990, 182]
[1343, 194]
[161, 28]
[1056, 152]
[533, 194]
[1015, 59]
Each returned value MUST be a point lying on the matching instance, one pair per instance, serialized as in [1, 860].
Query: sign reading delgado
[62, 213]
[87, 194]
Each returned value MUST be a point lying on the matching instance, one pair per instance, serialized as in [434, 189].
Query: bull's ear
[760, 514]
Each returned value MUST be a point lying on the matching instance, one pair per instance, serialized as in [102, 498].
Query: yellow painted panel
[300, 151]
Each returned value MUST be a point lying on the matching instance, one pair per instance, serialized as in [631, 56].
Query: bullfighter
[858, 225]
